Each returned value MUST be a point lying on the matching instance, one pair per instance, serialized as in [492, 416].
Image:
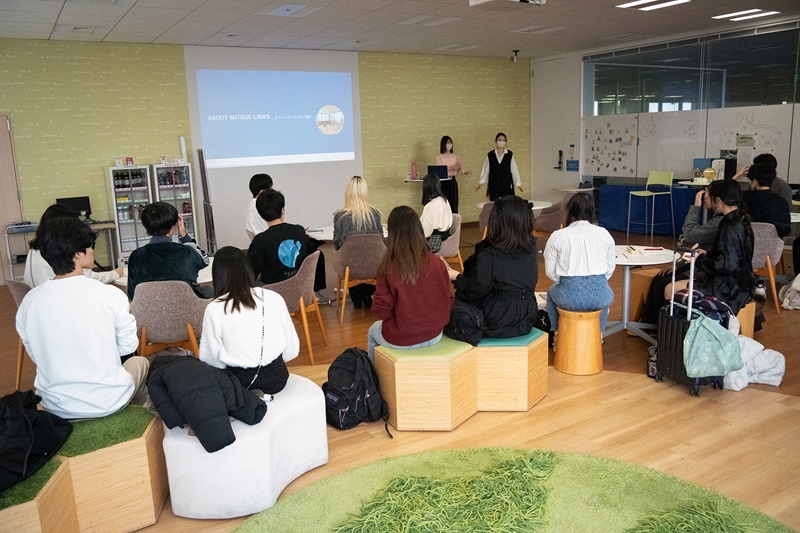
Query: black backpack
[466, 323]
[352, 392]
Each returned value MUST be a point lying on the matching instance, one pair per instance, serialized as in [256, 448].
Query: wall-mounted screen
[268, 117]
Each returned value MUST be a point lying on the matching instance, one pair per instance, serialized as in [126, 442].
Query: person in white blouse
[436, 217]
[37, 270]
[247, 329]
[579, 259]
[500, 171]
[452, 161]
[253, 223]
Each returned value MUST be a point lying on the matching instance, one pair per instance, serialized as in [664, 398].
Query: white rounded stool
[249, 475]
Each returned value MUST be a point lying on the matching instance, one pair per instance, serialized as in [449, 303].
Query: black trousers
[655, 297]
[450, 190]
[319, 277]
[271, 378]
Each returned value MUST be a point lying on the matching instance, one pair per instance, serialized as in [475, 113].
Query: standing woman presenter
[454, 166]
[500, 170]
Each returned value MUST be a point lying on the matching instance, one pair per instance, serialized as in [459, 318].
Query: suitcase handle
[693, 255]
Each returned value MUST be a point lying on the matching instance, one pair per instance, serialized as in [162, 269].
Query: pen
[314, 231]
[652, 249]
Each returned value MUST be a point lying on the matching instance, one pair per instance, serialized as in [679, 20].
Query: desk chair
[18, 292]
[298, 290]
[483, 218]
[767, 248]
[450, 248]
[168, 313]
[356, 262]
[657, 178]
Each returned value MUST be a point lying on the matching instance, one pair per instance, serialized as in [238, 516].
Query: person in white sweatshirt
[76, 330]
[247, 329]
[37, 270]
[436, 217]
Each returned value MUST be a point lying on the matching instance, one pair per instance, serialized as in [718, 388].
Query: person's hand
[742, 173]
[181, 227]
[520, 188]
[120, 271]
[665, 271]
[698, 198]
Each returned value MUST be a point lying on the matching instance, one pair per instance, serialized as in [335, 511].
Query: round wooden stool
[579, 349]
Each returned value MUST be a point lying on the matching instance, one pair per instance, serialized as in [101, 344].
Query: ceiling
[449, 27]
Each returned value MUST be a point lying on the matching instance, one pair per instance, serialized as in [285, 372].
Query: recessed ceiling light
[736, 14]
[665, 4]
[286, 10]
[636, 3]
[764, 14]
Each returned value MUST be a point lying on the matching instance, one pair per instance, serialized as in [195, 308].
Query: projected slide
[252, 118]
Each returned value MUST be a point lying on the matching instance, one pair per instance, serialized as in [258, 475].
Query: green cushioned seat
[522, 340]
[444, 350]
[27, 490]
[92, 435]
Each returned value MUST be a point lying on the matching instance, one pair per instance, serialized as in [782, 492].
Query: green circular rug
[507, 490]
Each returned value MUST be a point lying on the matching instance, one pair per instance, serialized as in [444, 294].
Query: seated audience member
[254, 224]
[247, 329]
[694, 231]
[37, 271]
[357, 218]
[436, 215]
[413, 297]
[779, 186]
[580, 259]
[762, 204]
[500, 277]
[277, 254]
[725, 271]
[76, 329]
[162, 259]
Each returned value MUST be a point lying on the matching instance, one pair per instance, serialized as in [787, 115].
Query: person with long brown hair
[247, 329]
[412, 298]
[500, 277]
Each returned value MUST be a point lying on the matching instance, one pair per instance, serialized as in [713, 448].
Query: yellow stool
[428, 389]
[512, 373]
[579, 350]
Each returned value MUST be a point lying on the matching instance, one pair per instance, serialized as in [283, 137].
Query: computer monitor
[438, 170]
[79, 205]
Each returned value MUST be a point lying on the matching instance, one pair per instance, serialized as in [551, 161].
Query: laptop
[438, 170]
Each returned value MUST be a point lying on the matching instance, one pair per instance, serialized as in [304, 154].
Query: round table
[692, 183]
[325, 233]
[538, 205]
[641, 256]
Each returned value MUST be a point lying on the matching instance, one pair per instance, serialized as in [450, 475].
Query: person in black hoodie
[726, 270]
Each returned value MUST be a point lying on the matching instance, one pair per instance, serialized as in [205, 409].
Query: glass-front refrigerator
[129, 194]
[173, 184]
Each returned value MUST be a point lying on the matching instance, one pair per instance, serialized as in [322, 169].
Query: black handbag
[466, 323]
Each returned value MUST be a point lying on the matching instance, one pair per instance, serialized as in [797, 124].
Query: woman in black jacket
[500, 277]
[726, 270]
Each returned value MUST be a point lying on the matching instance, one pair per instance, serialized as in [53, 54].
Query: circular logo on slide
[288, 252]
[330, 120]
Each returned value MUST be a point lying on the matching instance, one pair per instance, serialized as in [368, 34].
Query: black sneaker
[760, 293]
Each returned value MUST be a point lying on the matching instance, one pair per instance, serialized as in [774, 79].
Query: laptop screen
[438, 170]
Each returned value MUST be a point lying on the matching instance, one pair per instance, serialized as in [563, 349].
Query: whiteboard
[793, 176]
[670, 141]
[609, 145]
[770, 124]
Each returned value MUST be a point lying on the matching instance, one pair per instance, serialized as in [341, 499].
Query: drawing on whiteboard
[648, 126]
[746, 119]
[691, 129]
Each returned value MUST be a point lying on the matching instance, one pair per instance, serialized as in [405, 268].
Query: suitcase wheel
[659, 377]
[695, 389]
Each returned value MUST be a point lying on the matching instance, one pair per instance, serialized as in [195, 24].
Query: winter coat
[185, 390]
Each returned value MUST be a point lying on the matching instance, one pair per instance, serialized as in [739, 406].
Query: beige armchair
[356, 262]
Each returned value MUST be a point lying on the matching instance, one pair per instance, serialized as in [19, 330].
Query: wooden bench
[512, 373]
[117, 470]
[438, 387]
[51, 507]
[432, 388]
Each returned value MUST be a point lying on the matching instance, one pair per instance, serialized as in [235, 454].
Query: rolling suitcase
[673, 323]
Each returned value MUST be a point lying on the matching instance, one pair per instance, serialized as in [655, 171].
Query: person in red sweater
[412, 297]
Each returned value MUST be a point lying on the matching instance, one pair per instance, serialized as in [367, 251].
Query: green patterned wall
[77, 106]
[409, 101]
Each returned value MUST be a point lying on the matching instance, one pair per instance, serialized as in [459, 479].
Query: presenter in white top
[500, 171]
[254, 224]
[579, 259]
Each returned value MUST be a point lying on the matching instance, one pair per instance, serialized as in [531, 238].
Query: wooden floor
[744, 444]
